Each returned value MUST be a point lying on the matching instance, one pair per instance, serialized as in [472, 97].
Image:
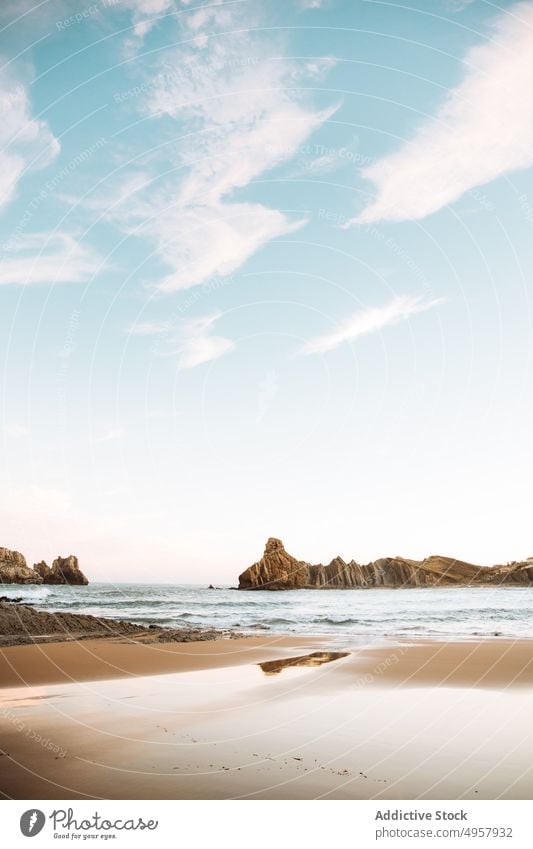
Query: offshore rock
[15, 570]
[64, 570]
[278, 570]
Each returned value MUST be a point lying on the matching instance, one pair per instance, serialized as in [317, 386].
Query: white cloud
[239, 117]
[482, 131]
[44, 258]
[213, 14]
[25, 143]
[120, 201]
[202, 349]
[370, 320]
[233, 232]
[144, 12]
[244, 144]
[192, 343]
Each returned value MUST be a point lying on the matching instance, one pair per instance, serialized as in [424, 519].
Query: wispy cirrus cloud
[371, 320]
[203, 349]
[198, 344]
[483, 130]
[189, 343]
[41, 258]
[233, 232]
[145, 10]
[25, 142]
[193, 18]
[240, 115]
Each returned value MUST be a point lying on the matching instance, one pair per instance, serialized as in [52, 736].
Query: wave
[30, 593]
[139, 603]
[277, 621]
[327, 620]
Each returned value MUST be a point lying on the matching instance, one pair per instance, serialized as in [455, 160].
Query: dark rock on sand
[278, 570]
[20, 624]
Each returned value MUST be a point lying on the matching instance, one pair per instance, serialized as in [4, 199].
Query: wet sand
[488, 663]
[429, 721]
[491, 663]
[92, 660]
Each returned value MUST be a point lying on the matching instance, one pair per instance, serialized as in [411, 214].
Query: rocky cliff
[64, 570]
[278, 570]
[15, 570]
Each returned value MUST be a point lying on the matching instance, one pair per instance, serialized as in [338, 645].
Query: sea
[451, 613]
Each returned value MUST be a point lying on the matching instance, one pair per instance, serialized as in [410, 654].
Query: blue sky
[265, 270]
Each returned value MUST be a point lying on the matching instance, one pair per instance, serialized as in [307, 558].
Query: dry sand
[424, 721]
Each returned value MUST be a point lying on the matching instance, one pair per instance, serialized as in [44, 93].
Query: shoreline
[22, 624]
[488, 662]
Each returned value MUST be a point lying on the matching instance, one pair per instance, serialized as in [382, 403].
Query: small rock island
[278, 570]
[15, 570]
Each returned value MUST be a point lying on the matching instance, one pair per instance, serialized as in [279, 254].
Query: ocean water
[449, 613]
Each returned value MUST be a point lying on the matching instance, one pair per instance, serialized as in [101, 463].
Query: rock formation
[278, 570]
[15, 570]
[21, 624]
[64, 570]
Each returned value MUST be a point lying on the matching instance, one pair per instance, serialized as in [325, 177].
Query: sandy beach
[93, 660]
[267, 718]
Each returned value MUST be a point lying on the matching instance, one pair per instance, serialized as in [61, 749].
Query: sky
[265, 270]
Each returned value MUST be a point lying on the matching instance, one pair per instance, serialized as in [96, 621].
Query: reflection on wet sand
[316, 658]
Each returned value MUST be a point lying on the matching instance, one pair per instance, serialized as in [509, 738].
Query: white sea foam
[30, 593]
